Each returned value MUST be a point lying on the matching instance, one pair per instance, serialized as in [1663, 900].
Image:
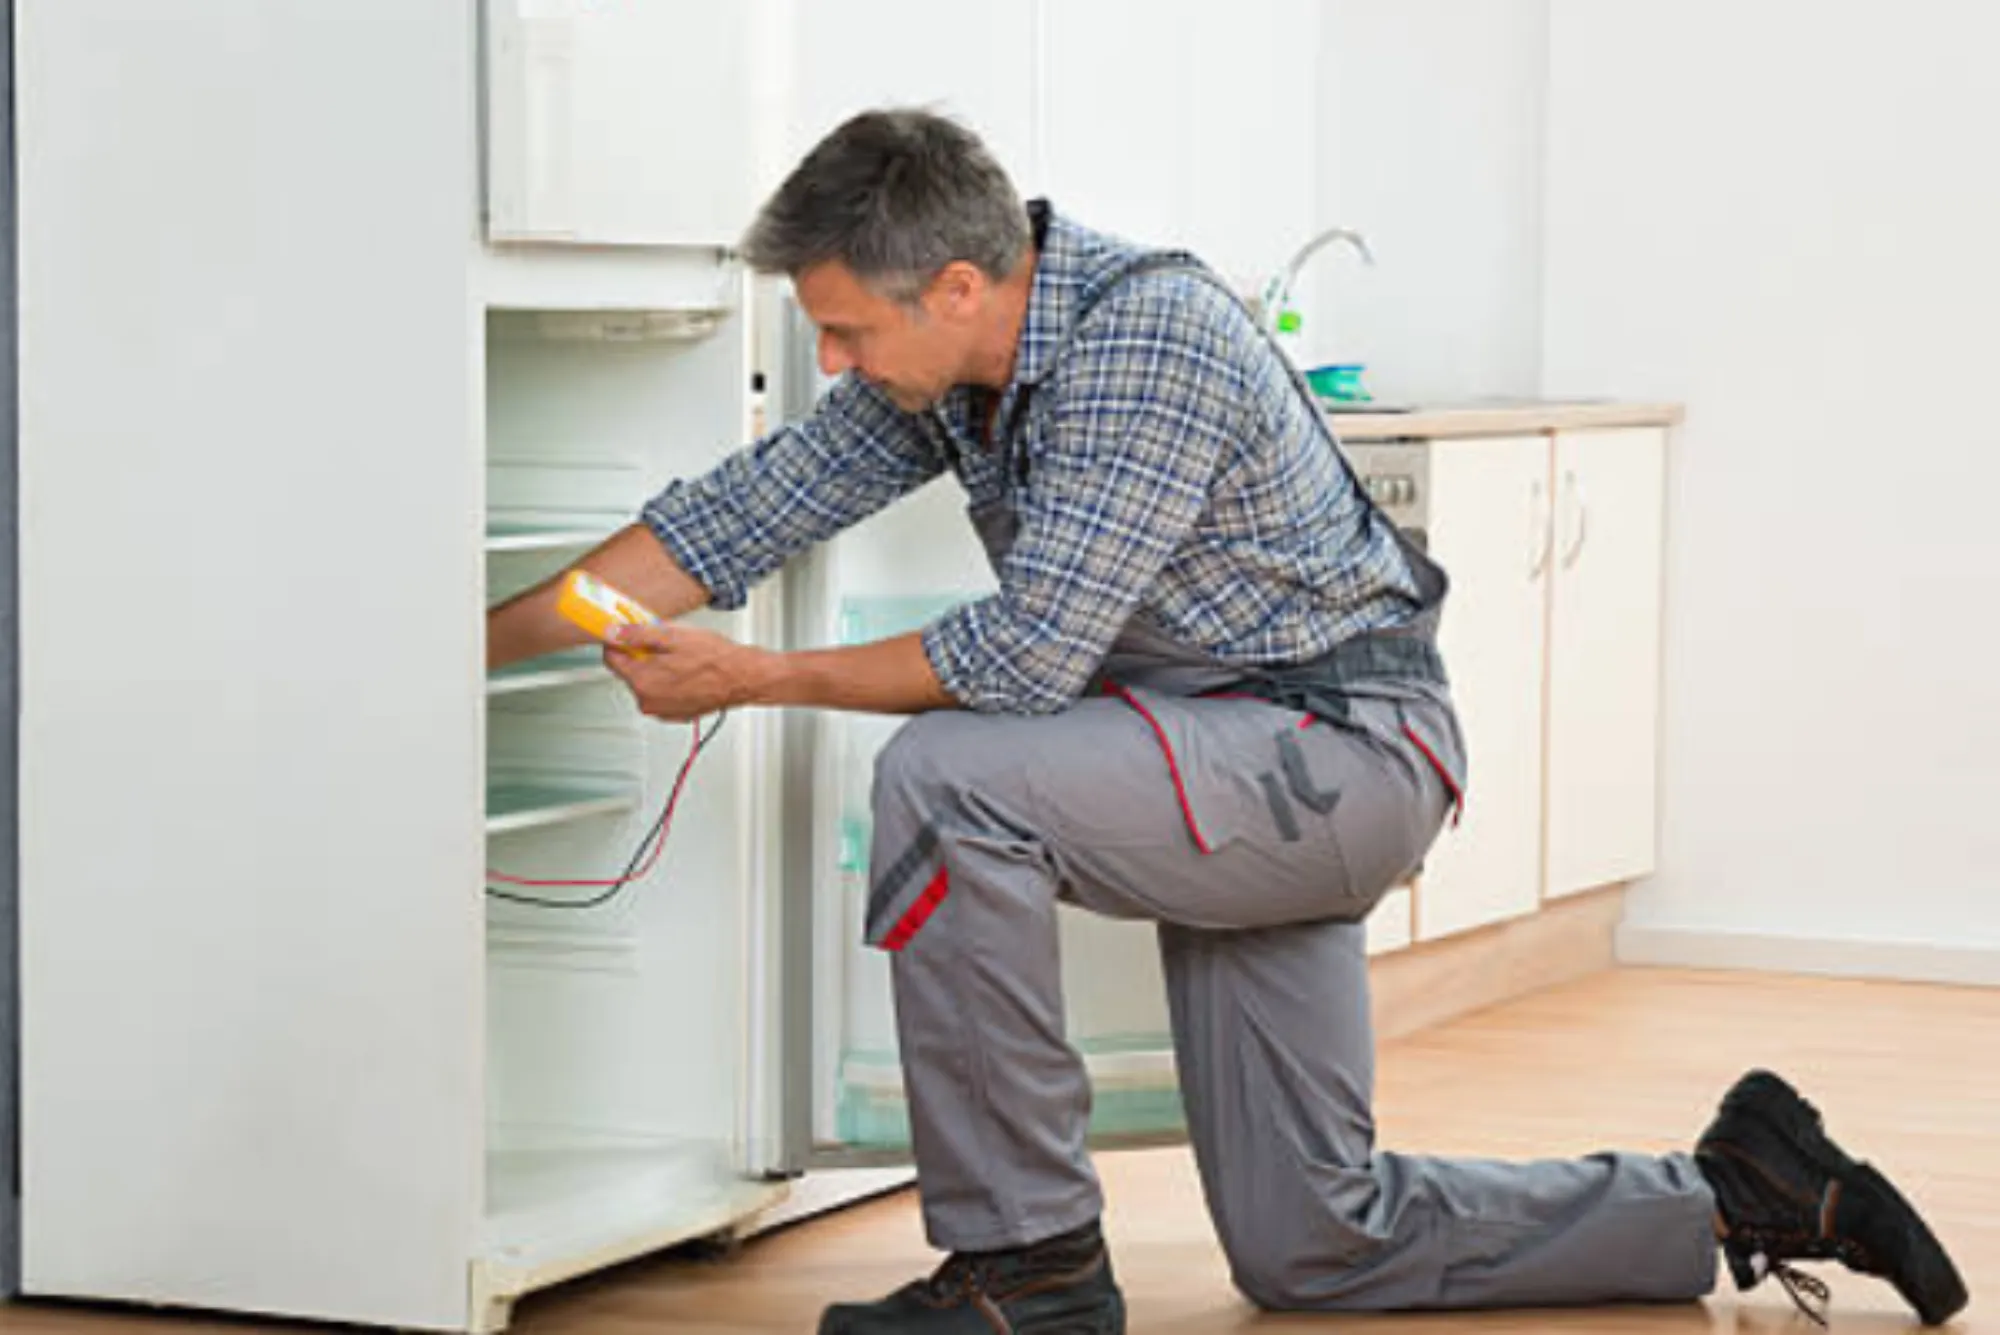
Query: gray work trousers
[1258, 838]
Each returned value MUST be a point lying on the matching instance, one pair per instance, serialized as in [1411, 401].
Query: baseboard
[1900, 961]
[1435, 981]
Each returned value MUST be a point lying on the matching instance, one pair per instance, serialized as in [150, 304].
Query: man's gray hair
[895, 195]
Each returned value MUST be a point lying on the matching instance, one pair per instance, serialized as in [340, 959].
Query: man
[1206, 693]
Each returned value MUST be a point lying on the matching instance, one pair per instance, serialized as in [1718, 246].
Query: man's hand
[679, 673]
[685, 673]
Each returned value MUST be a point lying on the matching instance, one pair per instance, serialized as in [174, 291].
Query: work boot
[1785, 1192]
[1059, 1287]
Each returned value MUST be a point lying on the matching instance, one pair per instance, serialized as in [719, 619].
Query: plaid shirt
[1152, 454]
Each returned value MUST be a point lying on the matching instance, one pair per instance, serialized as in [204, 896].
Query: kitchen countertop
[1500, 417]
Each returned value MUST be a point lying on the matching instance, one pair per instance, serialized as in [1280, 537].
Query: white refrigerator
[314, 368]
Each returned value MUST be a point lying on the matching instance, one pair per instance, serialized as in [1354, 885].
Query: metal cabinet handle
[1575, 548]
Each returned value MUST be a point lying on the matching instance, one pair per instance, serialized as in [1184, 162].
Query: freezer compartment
[582, 429]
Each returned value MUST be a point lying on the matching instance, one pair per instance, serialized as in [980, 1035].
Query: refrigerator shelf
[572, 667]
[515, 536]
[527, 802]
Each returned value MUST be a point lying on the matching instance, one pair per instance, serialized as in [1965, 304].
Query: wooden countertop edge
[1502, 420]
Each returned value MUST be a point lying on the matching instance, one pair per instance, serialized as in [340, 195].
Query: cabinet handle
[1541, 531]
[1582, 502]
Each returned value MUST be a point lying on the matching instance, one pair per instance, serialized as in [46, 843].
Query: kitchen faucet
[1271, 306]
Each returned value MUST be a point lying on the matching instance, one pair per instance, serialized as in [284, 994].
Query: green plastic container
[1340, 384]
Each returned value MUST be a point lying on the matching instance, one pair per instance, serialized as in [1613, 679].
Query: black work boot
[1786, 1193]
[1059, 1287]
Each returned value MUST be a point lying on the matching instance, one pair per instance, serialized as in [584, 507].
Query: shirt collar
[1054, 295]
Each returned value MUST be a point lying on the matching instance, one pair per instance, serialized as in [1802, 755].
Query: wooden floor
[1908, 1076]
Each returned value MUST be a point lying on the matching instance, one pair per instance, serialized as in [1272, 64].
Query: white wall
[1167, 121]
[1784, 215]
[1430, 120]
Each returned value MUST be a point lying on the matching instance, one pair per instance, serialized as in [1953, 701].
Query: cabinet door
[1604, 658]
[634, 124]
[1490, 528]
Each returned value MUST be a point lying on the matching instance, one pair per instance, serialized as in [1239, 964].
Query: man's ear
[958, 290]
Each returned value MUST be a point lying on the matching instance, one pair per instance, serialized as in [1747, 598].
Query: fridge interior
[616, 1016]
[888, 576]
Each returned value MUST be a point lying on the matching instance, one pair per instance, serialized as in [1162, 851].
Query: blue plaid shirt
[1152, 453]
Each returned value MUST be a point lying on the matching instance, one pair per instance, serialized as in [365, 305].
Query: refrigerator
[313, 370]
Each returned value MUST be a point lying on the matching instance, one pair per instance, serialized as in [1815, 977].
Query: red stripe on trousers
[1450, 784]
[919, 913]
[1173, 764]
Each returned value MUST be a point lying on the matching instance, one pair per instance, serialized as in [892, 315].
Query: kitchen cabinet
[1551, 635]
[1489, 527]
[1604, 657]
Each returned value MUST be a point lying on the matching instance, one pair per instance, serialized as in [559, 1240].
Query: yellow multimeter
[597, 607]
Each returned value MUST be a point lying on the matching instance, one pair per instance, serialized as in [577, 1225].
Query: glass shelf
[572, 667]
[512, 536]
[533, 801]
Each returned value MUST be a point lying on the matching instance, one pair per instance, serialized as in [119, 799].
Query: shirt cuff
[971, 670]
[697, 549]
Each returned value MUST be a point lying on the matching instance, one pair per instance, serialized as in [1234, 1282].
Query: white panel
[250, 815]
[1118, 115]
[1604, 659]
[1490, 529]
[629, 123]
[973, 60]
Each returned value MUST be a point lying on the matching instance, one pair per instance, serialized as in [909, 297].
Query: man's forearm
[631, 560]
[887, 677]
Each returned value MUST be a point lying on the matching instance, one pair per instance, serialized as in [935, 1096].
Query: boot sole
[1928, 1280]
[1110, 1321]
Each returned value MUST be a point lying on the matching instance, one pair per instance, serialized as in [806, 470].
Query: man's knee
[1287, 1287]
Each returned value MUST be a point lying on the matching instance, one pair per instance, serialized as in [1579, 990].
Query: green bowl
[1342, 384]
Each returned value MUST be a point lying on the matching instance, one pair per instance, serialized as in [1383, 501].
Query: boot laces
[1808, 1293]
[961, 1275]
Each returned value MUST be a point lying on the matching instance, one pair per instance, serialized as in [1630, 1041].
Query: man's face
[912, 353]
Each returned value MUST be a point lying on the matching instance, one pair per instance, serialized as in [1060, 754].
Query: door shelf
[511, 536]
[534, 801]
[1135, 1092]
[574, 667]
